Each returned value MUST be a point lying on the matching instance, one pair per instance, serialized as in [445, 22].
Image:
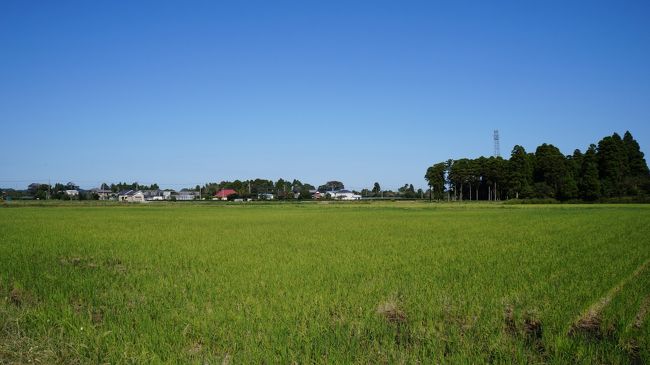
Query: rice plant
[325, 283]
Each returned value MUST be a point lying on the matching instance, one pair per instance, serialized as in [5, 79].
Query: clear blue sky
[183, 93]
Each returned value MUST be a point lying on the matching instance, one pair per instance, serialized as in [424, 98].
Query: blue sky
[183, 93]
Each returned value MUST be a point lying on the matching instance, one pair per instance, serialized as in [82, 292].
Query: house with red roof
[223, 194]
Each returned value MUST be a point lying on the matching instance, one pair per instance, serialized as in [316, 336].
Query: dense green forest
[614, 168]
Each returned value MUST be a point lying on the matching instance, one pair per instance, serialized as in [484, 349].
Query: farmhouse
[265, 196]
[131, 196]
[72, 193]
[223, 194]
[152, 194]
[187, 195]
[103, 194]
[343, 195]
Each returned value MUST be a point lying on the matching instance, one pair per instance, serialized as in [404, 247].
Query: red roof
[224, 193]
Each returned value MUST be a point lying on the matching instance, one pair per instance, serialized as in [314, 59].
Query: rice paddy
[325, 283]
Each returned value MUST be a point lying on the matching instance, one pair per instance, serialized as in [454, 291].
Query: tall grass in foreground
[337, 283]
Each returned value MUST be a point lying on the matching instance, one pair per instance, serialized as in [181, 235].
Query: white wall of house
[104, 195]
[350, 196]
[186, 196]
[344, 195]
[138, 197]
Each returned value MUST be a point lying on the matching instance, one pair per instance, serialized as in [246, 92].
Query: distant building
[187, 195]
[131, 196]
[103, 194]
[265, 196]
[343, 195]
[153, 195]
[72, 193]
[223, 194]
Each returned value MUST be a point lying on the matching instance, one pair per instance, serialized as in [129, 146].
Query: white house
[187, 195]
[153, 194]
[72, 193]
[103, 194]
[343, 195]
[265, 196]
[131, 196]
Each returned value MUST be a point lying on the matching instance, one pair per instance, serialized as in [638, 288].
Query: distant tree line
[282, 189]
[60, 191]
[295, 189]
[121, 186]
[613, 168]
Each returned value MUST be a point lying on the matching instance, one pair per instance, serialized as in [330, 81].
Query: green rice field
[393, 282]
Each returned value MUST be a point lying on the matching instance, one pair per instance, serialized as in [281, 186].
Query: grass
[400, 282]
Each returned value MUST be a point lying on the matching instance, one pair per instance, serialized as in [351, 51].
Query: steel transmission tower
[497, 148]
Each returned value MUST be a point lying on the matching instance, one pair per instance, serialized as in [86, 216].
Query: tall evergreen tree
[547, 170]
[553, 173]
[520, 173]
[473, 179]
[635, 158]
[576, 160]
[453, 179]
[376, 189]
[570, 189]
[482, 167]
[459, 174]
[639, 176]
[435, 177]
[612, 165]
[496, 177]
[589, 184]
